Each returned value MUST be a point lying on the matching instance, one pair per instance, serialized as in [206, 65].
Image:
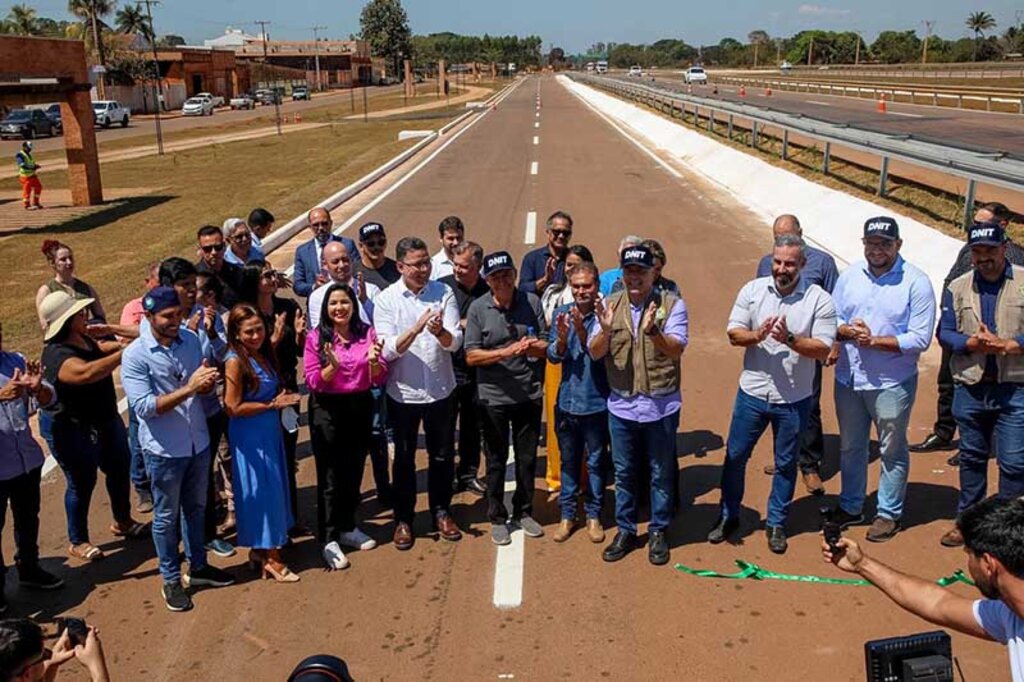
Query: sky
[573, 25]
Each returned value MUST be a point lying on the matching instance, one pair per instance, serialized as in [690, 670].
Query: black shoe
[723, 529]
[34, 576]
[845, 520]
[623, 544]
[954, 461]
[209, 576]
[176, 597]
[657, 548]
[776, 539]
[932, 443]
[475, 486]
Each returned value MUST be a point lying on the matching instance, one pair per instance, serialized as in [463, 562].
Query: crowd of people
[478, 353]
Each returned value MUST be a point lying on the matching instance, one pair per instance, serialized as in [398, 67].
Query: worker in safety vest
[27, 176]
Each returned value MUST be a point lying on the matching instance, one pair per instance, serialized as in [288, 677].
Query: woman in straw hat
[88, 433]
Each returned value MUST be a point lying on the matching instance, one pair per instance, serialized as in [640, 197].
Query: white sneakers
[357, 539]
[334, 557]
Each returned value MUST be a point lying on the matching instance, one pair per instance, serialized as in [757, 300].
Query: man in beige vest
[983, 326]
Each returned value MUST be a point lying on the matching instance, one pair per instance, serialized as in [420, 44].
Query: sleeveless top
[79, 289]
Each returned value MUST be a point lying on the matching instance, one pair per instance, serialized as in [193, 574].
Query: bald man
[336, 264]
[820, 269]
[308, 257]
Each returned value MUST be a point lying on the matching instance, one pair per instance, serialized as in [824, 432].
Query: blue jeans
[577, 433]
[140, 479]
[81, 449]
[630, 441]
[179, 497]
[889, 410]
[989, 414]
[750, 417]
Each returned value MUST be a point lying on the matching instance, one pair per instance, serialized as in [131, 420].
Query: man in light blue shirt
[885, 309]
[163, 372]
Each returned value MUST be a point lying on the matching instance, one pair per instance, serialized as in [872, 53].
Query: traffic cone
[298, 118]
[689, 89]
[768, 92]
[881, 103]
[743, 91]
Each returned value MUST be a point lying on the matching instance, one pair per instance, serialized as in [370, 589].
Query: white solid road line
[531, 228]
[536, 139]
[510, 560]
[901, 113]
[820, 104]
[534, 167]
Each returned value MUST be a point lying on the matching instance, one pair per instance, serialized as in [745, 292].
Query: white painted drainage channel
[295, 225]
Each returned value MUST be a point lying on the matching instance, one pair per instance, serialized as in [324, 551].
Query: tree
[91, 12]
[132, 20]
[979, 22]
[757, 39]
[894, 47]
[21, 20]
[170, 40]
[385, 25]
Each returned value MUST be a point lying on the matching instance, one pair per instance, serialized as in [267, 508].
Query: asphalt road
[427, 614]
[990, 132]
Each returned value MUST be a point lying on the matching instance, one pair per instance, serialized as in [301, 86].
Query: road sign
[99, 68]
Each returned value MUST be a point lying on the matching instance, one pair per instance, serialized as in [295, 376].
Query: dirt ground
[428, 613]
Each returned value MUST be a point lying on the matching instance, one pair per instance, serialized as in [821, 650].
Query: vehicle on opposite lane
[197, 106]
[635, 71]
[695, 75]
[108, 112]
[300, 92]
[243, 101]
[26, 123]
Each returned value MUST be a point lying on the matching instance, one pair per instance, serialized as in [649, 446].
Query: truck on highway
[108, 112]
[601, 66]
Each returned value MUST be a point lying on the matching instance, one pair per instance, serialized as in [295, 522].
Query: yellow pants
[552, 378]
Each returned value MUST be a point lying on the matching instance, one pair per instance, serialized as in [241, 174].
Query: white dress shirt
[316, 301]
[441, 265]
[423, 374]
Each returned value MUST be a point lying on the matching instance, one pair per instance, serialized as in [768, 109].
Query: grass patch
[197, 186]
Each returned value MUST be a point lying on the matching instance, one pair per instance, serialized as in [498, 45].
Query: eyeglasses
[376, 243]
[422, 265]
[239, 238]
[210, 248]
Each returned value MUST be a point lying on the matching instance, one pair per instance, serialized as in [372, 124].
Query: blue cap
[496, 262]
[160, 298]
[986, 234]
[882, 226]
[637, 255]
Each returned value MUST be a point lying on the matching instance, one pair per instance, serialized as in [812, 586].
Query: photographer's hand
[91, 656]
[61, 653]
[848, 558]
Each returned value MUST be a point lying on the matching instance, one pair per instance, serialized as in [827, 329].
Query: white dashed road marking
[531, 228]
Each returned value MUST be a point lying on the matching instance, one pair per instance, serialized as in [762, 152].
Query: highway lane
[991, 132]
[428, 614]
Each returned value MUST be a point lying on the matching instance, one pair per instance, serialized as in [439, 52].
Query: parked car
[108, 111]
[197, 106]
[635, 71]
[300, 92]
[215, 100]
[243, 101]
[52, 112]
[26, 123]
[695, 75]
[268, 96]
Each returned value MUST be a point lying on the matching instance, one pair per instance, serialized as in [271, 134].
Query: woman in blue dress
[253, 399]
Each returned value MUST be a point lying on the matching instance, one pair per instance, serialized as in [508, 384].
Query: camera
[831, 529]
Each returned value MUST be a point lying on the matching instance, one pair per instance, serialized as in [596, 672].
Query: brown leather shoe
[882, 529]
[813, 483]
[769, 469]
[403, 536]
[953, 538]
[446, 527]
[594, 530]
[564, 531]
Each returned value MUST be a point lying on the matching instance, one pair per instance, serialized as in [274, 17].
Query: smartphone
[831, 529]
[77, 629]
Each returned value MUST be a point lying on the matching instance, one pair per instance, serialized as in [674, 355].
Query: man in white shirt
[337, 263]
[418, 319]
[452, 233]
[993, 532]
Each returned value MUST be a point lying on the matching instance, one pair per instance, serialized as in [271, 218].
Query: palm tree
[21, 20]
[979, 22]
[91, 12]
[132, 20]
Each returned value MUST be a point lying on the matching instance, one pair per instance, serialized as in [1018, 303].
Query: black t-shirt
[84, 403]
[463, 297]
[230, 277]
[514, 380]
[383, 277]
[288, 350]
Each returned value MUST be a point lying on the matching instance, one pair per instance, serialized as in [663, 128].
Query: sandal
[86, 552]
[135, 530]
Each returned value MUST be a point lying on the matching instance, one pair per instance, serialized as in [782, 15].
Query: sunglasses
[239, 238]
[218, 247]
[376, 243]
[562, 233]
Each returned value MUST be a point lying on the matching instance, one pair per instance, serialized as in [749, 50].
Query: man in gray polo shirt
[785, 324]
[505, 342]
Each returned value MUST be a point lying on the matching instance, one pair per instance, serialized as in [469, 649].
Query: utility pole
[156, 72]
[856, 53]
[316, 49]
[101, 82]
[275, 95]
[927, 34]
[810, 52]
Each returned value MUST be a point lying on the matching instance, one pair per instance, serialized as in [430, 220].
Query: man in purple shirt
[645, 399]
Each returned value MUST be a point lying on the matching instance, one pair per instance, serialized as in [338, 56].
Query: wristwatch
[790, 339]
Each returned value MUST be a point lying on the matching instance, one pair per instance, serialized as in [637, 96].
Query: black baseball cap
[370, 229]
[986, 234]
[637, 255]
[882, 226]
[496, 262]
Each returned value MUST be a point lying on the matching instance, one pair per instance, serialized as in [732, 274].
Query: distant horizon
[573, 25]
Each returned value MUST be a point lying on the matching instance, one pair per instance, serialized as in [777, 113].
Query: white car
[243, 101]
[695, 75]
[215, 100]
[635, 72]
[197, 106]
[108, 112]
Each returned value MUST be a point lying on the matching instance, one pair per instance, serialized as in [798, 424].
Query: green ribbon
[749, 571]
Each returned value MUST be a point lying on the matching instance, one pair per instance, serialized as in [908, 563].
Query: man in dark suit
[308, 273]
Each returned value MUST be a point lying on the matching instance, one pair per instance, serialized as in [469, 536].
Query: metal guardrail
[936, 96]
[992, 168]
[970, 70]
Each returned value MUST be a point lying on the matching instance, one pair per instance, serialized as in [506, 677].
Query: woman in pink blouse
[342, 361]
